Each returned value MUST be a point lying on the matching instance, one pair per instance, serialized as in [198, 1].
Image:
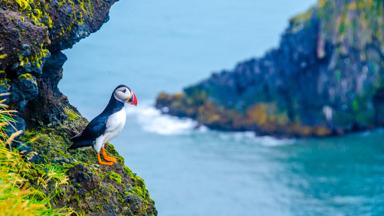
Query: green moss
[4, 82]
[115, 177]
[303, 17]
[35, 11]
[138, 185]
[3, 56]
[71, 114]
[26, 76]
[86, 9]
[35, 60]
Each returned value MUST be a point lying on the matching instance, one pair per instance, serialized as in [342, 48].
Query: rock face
[32, 35]
[325, 78]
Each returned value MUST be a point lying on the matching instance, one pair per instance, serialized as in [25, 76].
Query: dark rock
[134, 202]
[26, 50]
[19, 39]
[84, 178]
[48, 106]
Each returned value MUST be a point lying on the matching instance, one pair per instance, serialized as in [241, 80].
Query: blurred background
[155, 46]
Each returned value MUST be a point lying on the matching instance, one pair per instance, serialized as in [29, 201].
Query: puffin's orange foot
[111, 159]
[108, 163]
[107, 157]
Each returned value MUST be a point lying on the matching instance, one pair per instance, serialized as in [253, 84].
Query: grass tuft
[22, 183]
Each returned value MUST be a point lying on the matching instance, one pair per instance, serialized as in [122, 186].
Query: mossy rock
[91, 189]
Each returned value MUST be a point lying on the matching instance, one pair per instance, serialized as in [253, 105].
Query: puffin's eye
[124, 90]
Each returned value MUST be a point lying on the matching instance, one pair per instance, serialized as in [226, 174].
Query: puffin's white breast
[115, 124]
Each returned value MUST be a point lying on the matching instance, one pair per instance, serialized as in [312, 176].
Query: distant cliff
[32, 35]
[326, 77]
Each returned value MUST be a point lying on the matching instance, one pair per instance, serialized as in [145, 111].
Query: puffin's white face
[125, 95]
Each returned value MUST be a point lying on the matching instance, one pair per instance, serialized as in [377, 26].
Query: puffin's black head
[124, 94]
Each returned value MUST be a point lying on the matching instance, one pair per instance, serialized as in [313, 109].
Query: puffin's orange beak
[134, 99]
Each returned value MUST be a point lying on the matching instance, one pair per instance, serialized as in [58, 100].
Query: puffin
[107, 125]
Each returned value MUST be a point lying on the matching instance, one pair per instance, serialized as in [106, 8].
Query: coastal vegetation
[40, 177]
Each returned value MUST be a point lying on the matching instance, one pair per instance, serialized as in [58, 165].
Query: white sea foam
[272, 141]
[151, 120]
[251, 137]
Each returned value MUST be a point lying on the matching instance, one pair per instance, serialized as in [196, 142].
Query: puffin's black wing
[93, 130]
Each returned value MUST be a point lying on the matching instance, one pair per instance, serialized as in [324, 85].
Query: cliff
[32, 35]
[325, 78]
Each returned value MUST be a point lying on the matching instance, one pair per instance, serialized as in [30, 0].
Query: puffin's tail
[79, 142]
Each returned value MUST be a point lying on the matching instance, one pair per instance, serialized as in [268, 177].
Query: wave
[273, 142]
[253, 138]
[151, 120]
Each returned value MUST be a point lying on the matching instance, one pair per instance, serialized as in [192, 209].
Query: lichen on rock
[32, 35]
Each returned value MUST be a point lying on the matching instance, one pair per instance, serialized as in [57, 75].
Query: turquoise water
[165, 45]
